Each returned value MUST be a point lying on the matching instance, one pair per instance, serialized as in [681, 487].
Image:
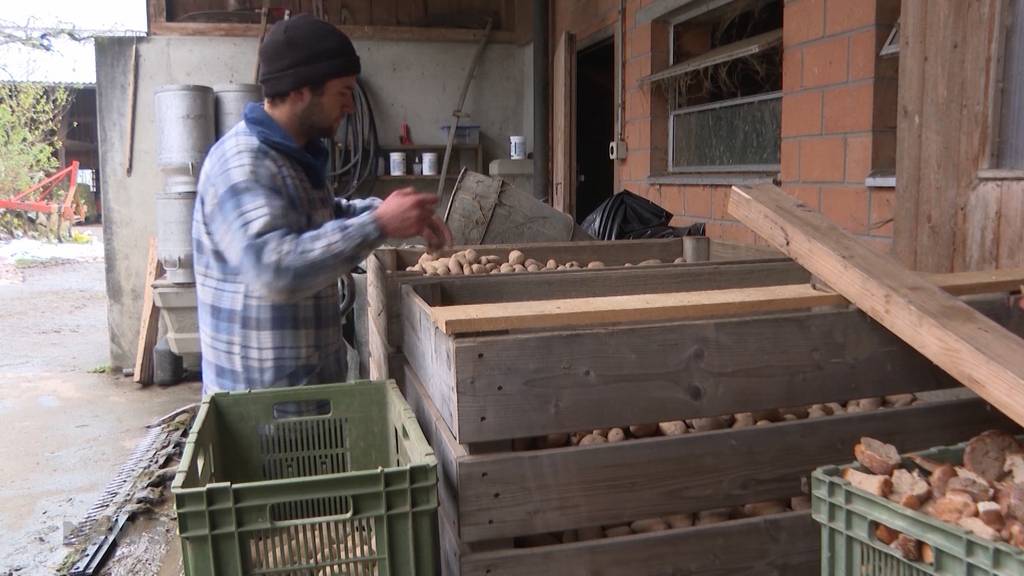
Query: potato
[673, 428]
[506, 268]
[651, 262]
[426, 257]
[472, 256]
[479, 269]
[615, 531]
[679, 520]
[616, 435]
[643, 430]
[533, 268]
[455, 266]
[467, 269]
[516, 257]
[531, 262]
[817, 412]
[416, 268]
[869, 404]
[763, 423]
[900, 400]
[601, 432]
[648, 525]
[495, 271]
[573, 265]
[555, 440]
[716, 516]
[444, 270]
[835, 407]
[679, 260]
[709, 424]
[552, 264]
[461, 257]
[491, 266]
[744, 420]
[593, 439]
[518, 268]
[765, 508]
[596, 264]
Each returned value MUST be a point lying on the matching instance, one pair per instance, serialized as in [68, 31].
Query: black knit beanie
[304, 51]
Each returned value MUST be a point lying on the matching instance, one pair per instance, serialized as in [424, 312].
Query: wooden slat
[1011, 225]
[520, 385]
[913, 33]
[606, 310]
[149, 320]
[975, 350]
[430, 355]
[784, 544]
[447, 450]
[978, 244]
[621, 281]
[549, 490]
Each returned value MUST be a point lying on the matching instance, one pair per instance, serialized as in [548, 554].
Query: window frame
[753, 171]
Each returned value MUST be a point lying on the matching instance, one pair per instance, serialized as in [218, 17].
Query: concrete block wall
[838, 113]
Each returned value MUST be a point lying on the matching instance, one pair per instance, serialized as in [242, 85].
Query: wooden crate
[386, 275]
[474, 392]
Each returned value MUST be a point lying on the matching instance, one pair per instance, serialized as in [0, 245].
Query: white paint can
[397, 163]
[430, 163]
[517, 147]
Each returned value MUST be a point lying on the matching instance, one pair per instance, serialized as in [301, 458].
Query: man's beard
[314, 123]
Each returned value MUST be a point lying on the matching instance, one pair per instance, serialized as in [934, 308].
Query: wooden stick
[680, 305]
[981, 354]
[149, 321]
[133, 74]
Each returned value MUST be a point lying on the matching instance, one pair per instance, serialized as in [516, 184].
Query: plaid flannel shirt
[270, 243]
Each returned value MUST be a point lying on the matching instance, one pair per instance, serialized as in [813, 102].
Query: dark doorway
[595, 126]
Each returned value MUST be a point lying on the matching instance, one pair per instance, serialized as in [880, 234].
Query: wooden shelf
[400, 147]
[415, 177]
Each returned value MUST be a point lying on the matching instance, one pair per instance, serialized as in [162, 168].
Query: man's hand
[407, 213]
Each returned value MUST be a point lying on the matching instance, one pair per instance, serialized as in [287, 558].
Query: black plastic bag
[626, 216]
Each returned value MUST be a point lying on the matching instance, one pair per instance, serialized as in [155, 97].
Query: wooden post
[149, 321]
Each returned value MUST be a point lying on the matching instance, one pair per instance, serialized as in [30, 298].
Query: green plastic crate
[849, 516]
[349, 488]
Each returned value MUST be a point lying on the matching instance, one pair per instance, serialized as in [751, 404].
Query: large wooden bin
[386, 275]
[475, 393]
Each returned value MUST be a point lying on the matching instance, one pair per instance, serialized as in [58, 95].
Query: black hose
[354, 157]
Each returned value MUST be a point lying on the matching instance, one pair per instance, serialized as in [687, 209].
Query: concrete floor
[64, 429]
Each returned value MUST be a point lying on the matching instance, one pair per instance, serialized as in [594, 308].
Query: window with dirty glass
[724, 89]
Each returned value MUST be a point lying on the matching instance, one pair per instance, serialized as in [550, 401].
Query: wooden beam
[478, 318]
[149, 320]
[397, 33]
[981, 354]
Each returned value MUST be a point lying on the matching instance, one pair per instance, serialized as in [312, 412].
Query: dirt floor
[66, 425]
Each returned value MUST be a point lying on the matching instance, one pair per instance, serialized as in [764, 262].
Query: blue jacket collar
[312, 158]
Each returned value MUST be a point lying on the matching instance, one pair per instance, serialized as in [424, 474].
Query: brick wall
[838, 113]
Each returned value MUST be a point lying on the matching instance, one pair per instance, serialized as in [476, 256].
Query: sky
[69, 61]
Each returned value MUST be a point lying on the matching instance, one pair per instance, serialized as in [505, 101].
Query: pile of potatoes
[669, 522]
[316, 544]
[697, 425]
[983, 494]
[469, 262]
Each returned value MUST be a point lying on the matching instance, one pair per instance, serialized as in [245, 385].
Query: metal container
[185, 126]
[230, 101]
[174, 206]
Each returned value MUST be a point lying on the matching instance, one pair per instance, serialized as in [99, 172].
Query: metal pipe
[541, 101]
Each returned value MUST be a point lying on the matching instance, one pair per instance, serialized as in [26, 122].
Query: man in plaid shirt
[270, 239]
